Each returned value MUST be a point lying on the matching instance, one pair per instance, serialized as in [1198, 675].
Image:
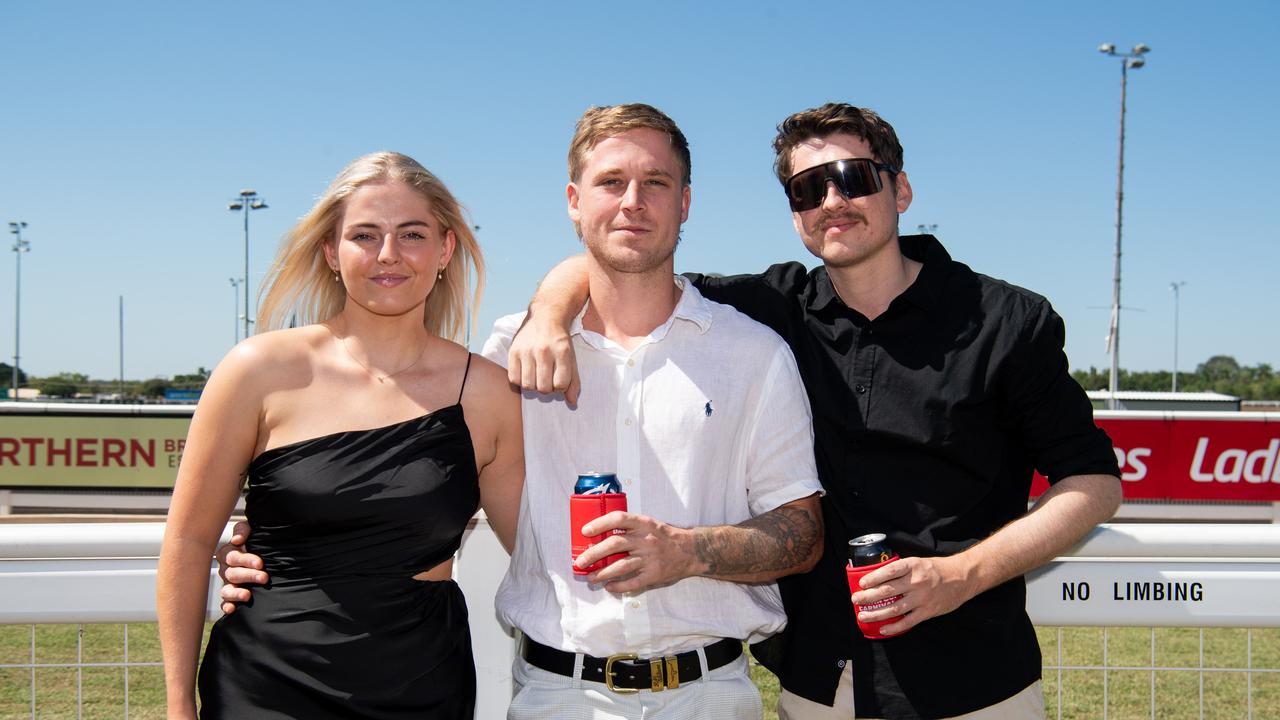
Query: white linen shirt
[705, 422]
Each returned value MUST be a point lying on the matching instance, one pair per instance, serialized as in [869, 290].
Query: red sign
[1194, 455]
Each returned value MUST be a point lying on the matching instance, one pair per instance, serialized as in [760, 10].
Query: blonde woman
[367, 439]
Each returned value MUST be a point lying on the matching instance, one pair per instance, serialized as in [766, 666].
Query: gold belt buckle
[608, 673]
[655, 675]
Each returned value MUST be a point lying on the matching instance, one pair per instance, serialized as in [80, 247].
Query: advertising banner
[102, 451]
[1162, 456]
[1194, 456]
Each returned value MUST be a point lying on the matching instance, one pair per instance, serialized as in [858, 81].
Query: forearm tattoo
[777, 540]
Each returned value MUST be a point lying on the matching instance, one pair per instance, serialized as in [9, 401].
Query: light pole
[19, 246]
[1132, 59]
[235, 319]
[1175, 287]
[248, 200]
[120, 385]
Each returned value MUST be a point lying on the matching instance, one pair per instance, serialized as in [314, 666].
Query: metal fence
[1132, 621]
[1174, 620]
[36, 668]
[1161, 673]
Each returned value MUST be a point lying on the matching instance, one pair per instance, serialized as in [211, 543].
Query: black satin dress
[342, 523]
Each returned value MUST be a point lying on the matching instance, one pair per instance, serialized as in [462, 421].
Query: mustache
[827, 220]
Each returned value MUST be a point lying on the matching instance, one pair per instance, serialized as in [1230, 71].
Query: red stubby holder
[868, 553]
[582, 510]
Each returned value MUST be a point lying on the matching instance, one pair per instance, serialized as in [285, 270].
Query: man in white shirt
[701, 414]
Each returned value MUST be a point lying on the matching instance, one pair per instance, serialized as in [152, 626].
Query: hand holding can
[594, 495]
[868, 553]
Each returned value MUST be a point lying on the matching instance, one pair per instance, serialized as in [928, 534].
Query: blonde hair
[598, 123]
[300, 288]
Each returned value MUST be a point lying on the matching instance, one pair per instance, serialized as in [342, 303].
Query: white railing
[1173, 575]
[1121, 575]
[1177, 575]
[106, 573]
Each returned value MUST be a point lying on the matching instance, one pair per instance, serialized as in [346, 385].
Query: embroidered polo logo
[708, 409]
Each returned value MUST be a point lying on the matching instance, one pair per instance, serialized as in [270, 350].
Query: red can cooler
[868, 553]
[595, 495]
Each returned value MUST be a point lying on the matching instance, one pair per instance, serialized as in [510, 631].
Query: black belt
[624, 673]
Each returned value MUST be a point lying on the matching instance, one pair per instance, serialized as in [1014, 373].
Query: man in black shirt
[936, 392]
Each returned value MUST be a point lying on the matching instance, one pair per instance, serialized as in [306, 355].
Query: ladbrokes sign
[1196, 457]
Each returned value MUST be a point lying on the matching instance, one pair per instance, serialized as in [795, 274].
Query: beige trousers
[1026, 705]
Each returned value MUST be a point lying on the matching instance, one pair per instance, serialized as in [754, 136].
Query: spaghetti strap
[465, 372]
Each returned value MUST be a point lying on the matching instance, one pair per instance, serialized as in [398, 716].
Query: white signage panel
[1160, 593]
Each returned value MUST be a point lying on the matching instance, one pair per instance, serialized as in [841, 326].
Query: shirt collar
[691, 307]
[925, 292]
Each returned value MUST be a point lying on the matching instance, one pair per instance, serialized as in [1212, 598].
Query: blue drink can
[596, 484]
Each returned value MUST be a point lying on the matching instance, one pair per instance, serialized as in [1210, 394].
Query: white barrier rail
[106, 573]
[1191, 575]
[83, 572]
[1163, 576]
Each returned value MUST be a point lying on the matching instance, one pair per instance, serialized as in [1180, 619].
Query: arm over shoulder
[498, 344]
[769, 297]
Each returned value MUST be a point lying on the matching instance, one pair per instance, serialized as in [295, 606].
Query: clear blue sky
[126, 127]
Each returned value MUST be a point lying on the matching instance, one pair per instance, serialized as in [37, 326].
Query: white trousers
[1026, 705]
[725, 693]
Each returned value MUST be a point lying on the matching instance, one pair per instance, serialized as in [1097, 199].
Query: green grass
[1129, 691]
[767, 682]
[1177, 689]
[101, 689]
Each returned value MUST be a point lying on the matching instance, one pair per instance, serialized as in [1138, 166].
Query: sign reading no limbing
[1137, 592]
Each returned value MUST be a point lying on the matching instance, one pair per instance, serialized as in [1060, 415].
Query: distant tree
[154, 388]
[1154, 381]
[1091, 379]
[64, 384]
[6, 375]
[57, 388]
[71, 377]
[193, 381]
[1220, 373]
[1219, 368]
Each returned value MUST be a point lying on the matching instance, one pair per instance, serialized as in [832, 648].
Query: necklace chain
[342, 340]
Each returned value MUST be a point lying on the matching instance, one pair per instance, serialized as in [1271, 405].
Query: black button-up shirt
[928, 422]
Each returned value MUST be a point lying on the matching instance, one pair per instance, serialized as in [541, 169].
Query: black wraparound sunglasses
[853, 177]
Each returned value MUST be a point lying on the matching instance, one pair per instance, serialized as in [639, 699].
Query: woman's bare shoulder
[271, 357]
[489, 377]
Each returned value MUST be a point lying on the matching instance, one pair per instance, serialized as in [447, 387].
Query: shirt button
[627, 422]
[635, 603]
[839, 663]
[627, 481]
[860, 389]
[631, 362]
